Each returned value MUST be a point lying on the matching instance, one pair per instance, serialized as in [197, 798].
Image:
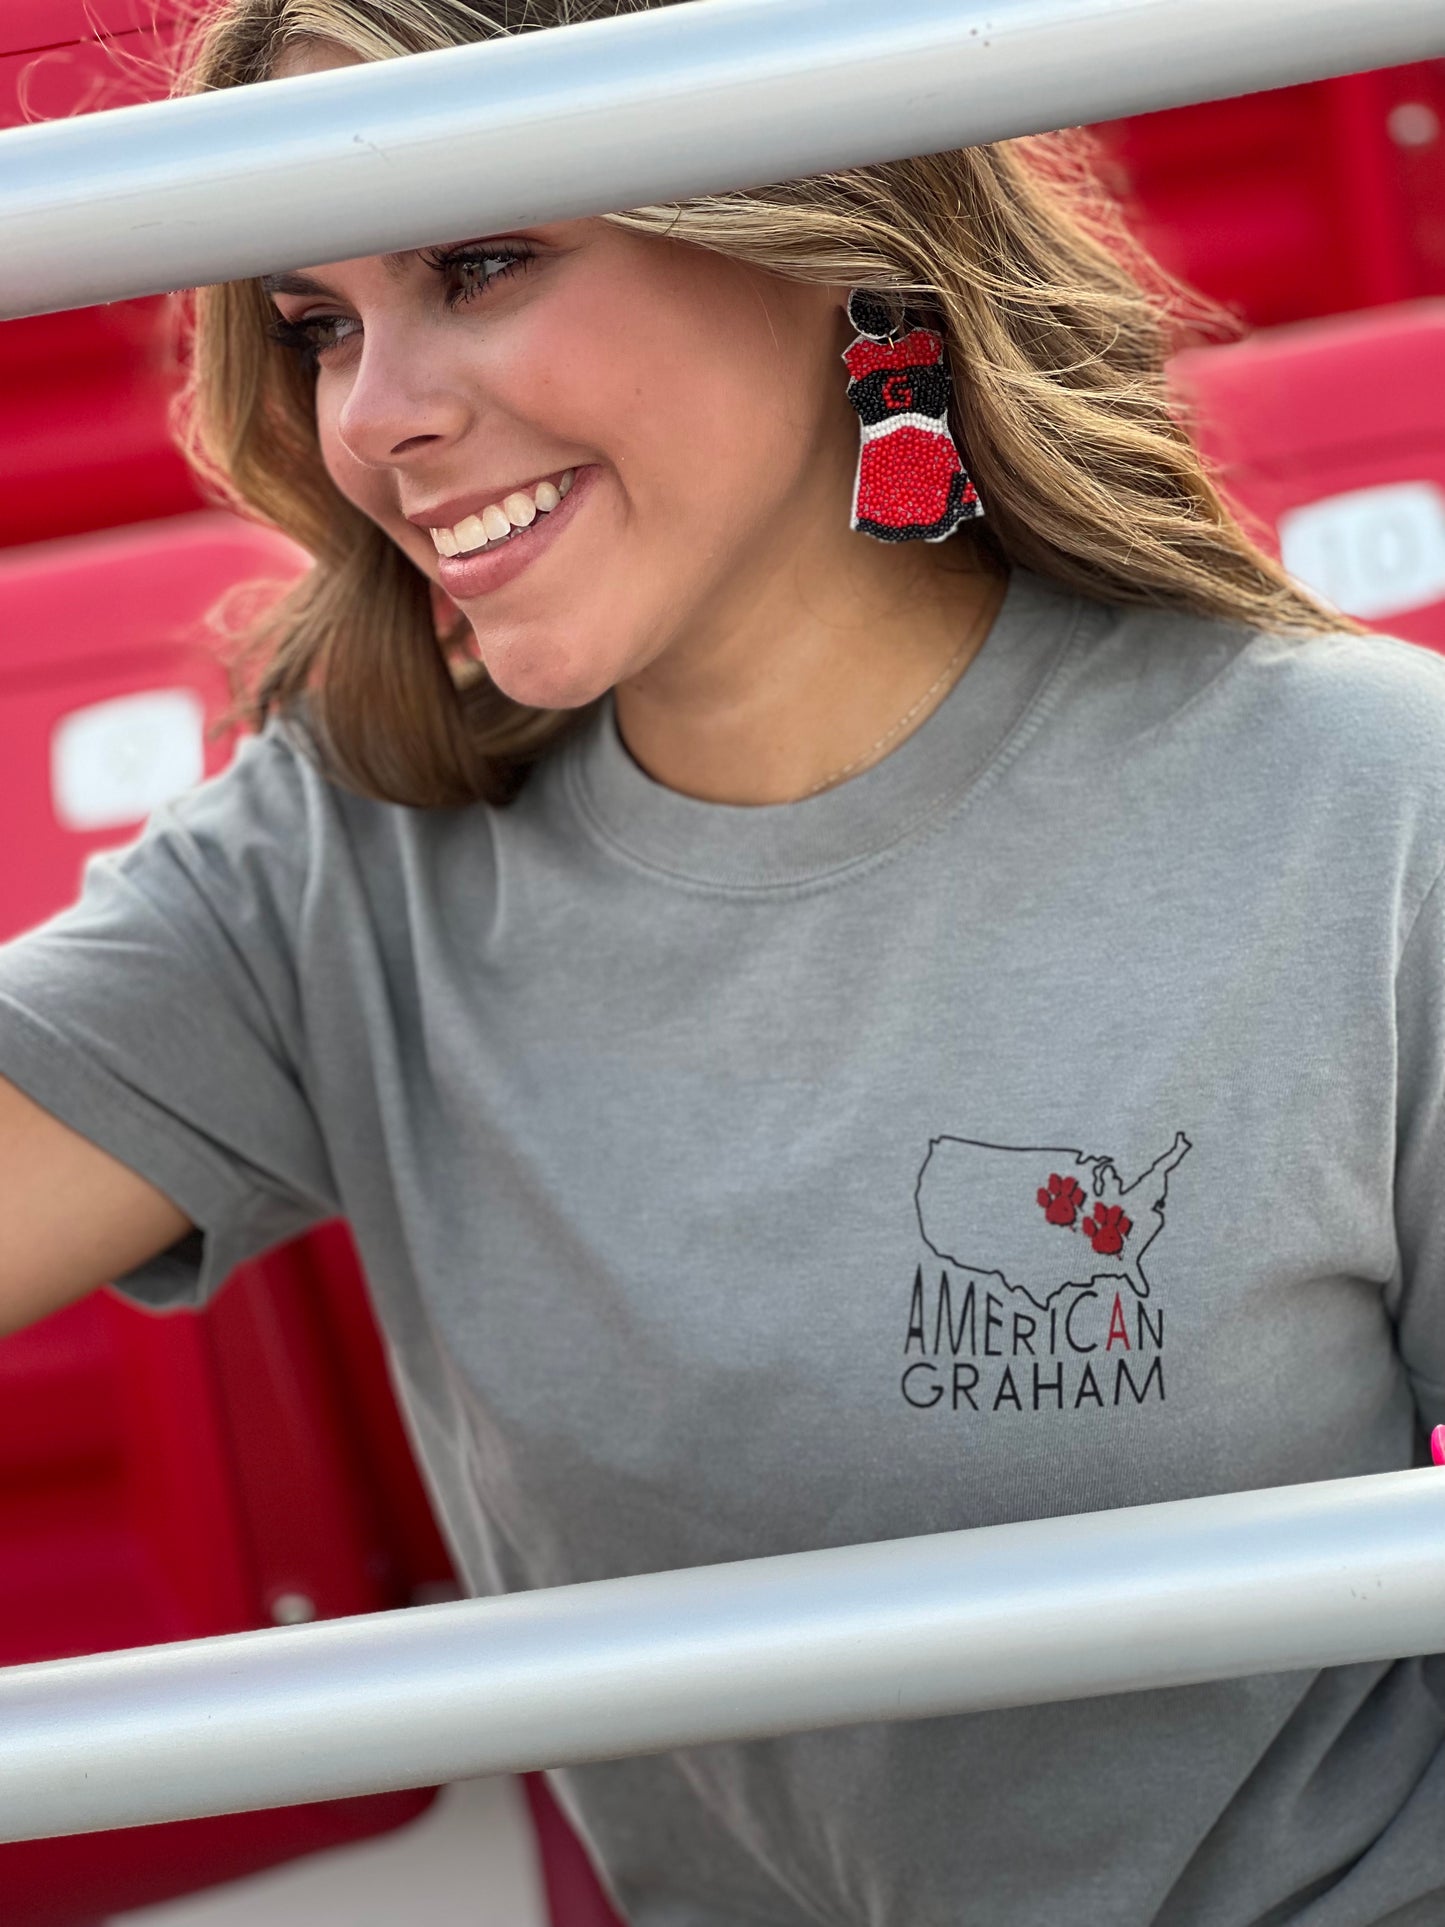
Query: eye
[469, 270]
[310, 337]
[473, 268]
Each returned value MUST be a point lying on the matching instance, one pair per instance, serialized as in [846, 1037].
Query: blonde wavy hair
[1058, 328]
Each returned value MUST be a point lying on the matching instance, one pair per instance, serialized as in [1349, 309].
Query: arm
[71, 1216]
[154, 1034]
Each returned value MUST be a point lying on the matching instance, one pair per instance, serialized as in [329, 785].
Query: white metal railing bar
[618, 113]
[1294, 1577]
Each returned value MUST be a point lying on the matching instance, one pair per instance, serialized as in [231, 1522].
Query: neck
[793, 686]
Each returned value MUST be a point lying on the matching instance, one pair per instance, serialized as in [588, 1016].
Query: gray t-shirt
[1050, 1118]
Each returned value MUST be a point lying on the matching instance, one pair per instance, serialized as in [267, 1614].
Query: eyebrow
[289, 282]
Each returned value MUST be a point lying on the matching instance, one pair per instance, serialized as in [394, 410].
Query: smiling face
[695, 402]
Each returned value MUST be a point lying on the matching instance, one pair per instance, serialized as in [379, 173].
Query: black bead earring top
[874, 315]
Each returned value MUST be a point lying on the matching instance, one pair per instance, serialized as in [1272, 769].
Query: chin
[547, 679]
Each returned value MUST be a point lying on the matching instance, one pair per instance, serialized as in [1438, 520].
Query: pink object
[1437, 1445]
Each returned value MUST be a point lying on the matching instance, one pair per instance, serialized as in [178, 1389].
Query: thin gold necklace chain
[907, 715]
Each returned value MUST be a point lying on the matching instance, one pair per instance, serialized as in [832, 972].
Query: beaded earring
[911, 483]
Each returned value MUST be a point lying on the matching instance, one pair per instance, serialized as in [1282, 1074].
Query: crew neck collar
[760, 846]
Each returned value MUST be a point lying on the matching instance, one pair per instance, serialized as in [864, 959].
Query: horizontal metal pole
[1280, 1580]
[614, 114]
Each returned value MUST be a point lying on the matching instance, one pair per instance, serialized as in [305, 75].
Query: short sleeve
[158, 1016]
[1419, 1309]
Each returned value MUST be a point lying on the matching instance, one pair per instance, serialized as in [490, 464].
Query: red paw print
[1108, 1228]
[1060, 1199]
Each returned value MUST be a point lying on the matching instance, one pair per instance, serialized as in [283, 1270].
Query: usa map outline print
[1016, 1213]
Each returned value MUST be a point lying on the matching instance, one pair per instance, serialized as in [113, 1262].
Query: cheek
[707, 414]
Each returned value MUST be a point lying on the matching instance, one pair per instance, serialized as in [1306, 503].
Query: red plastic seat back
[108, 688]
[171, 1478]
[184, 1476]
[1302, 201]
[83, 396]
[1331, 434]
[60, 57]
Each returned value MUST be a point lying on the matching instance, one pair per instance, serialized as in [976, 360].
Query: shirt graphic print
[1041, 1247]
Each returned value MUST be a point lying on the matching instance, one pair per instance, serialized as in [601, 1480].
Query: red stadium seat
[60, 57]
[83, 396]
[170, 1478]
[1331, 435]
[1299, 202]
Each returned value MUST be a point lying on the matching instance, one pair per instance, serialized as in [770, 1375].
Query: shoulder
[1339, 703]
[255, 830]
[281, 777]
[264, 794]
[1348, 733]
[1361, 700]
[1320, 749]
[352, 853]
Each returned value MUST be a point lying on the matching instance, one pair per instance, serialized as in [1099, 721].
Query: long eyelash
[298, 337]
[303, 339]
[516, 254]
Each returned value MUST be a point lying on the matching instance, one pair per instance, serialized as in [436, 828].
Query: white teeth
[496, 522]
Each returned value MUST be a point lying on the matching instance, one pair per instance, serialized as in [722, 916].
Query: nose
[404, 397]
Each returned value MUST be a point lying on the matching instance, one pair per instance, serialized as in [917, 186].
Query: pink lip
[466, 576]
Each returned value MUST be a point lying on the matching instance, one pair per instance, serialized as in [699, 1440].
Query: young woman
[819, 1038]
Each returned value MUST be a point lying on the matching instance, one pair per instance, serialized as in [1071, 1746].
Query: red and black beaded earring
[911, 485]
